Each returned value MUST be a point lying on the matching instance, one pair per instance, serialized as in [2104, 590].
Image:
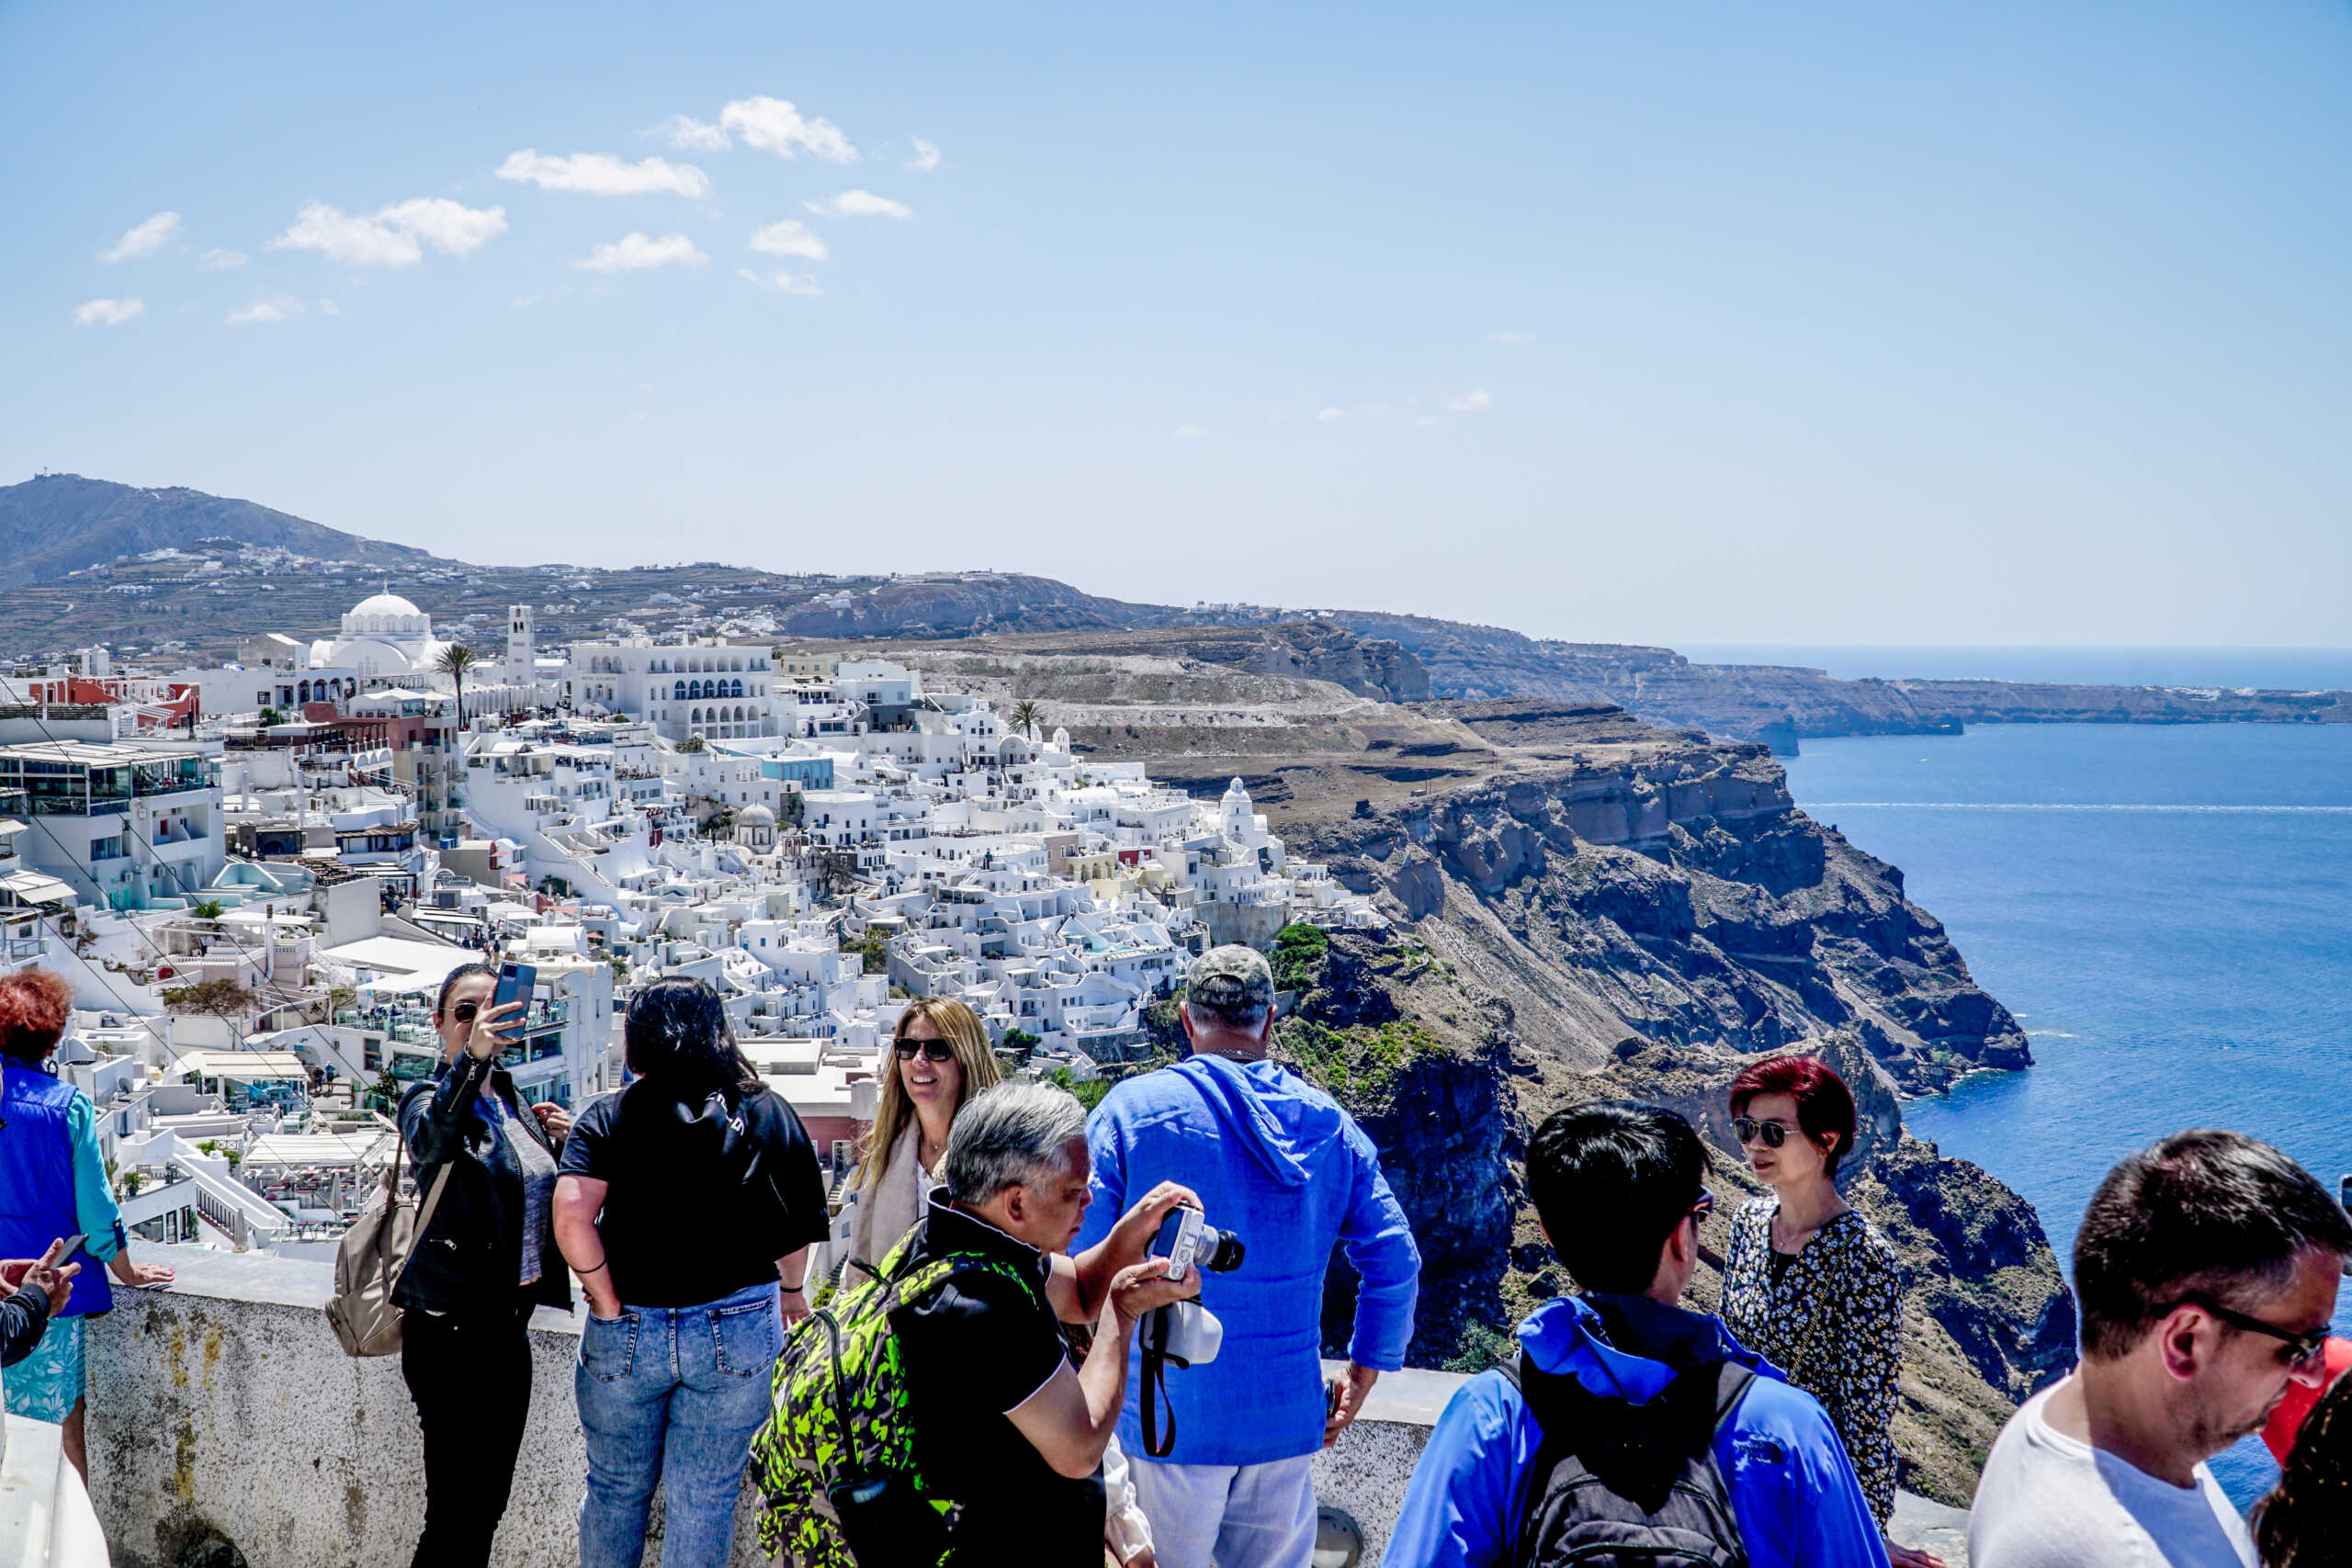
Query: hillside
[62, 523]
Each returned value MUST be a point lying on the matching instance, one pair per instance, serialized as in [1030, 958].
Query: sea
[2168, 909]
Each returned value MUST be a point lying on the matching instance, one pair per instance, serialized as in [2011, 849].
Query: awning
[33, 887]
[245, 1067]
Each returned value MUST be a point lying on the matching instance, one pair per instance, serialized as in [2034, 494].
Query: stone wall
[223, 1407]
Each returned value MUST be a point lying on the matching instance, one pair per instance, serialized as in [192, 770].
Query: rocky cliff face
[1643, 925]
[1781, 705]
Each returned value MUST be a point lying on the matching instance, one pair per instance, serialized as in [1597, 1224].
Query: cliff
[1781, 705]
[1596, 917]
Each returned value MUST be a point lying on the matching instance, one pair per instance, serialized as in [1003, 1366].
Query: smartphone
[515, 984]
[73, 1244]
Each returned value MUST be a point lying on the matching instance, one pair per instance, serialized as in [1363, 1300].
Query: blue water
[2167, 910]
[2272, 669]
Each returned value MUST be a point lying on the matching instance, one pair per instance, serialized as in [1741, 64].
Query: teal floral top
[1831, 1317]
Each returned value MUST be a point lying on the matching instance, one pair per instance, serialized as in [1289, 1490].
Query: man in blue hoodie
[1278, 1163]
[1620, 1188]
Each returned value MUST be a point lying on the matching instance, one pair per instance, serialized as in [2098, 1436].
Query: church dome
[385, 604]
[756, 817]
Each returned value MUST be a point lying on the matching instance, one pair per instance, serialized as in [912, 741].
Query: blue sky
[1734, 324]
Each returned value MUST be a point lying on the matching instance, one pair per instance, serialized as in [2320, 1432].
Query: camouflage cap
[1231, 979]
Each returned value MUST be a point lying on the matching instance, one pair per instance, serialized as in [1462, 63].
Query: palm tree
[455, 659]
[1025, 714]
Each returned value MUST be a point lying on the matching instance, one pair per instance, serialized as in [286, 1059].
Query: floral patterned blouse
[1831, 1317]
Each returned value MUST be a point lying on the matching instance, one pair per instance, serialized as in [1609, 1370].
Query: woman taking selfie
[1807, 1281]
[938, 1059]
[480, 1269]
[687, 1199]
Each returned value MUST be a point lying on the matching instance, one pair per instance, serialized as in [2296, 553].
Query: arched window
[735, 664]
[678, 692]
[734, 688]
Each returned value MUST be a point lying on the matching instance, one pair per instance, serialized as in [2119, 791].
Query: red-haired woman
[54, 1185]
[1807, 1281]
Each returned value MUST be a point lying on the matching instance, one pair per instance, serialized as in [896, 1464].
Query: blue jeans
[673, 1393]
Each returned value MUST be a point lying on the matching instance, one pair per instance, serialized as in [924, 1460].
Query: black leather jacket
[468, 1259]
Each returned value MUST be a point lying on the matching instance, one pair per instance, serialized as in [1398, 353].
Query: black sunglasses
[2301, 1348]
[933, 1050]
[1703, 1207]
[1748, 1129]
[464, 1011]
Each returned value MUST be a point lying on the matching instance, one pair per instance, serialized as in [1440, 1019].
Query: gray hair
[1239, 1020]
[1006, 1135]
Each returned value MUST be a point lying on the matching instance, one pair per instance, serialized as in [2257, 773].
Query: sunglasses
[933, 1050]
[463, 1012]
[1703, 1207]
[1748, 1129]
[2298, 1350]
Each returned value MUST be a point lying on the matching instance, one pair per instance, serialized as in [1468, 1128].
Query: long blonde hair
[961, 1027]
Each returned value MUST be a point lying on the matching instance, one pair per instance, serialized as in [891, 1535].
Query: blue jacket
[1792, 1489]
[1277, 1162]
[51, 1182]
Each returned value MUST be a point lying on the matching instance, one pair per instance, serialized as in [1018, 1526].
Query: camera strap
[1156, 1444]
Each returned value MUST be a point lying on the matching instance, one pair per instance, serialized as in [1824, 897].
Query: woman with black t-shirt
[685, 1198]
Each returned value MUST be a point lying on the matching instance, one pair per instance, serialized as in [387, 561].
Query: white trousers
[1248, 1516]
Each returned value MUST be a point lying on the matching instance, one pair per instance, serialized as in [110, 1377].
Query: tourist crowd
[1019, 1362]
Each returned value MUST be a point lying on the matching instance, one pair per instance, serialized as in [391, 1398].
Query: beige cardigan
[889, 1210]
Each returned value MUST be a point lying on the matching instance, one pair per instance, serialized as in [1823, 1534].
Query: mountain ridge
[92, 561]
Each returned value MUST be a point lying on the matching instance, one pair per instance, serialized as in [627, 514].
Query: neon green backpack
[836, 1460]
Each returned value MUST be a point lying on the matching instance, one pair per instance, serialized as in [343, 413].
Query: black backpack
[1622, 1485]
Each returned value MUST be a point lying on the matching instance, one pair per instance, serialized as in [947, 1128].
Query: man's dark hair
[1611, 1181]
[2207, 1217]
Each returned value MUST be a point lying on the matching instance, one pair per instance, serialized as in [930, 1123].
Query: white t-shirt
[2051, 1501]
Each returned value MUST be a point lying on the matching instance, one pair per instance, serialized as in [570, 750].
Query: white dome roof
[385, 604]
[757, 816]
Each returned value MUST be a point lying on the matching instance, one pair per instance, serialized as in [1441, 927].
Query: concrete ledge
[223, 1406]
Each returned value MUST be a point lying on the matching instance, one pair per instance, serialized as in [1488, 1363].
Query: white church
[384, 641]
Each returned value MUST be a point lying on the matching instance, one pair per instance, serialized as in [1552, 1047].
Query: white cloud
[524, 302]
[699, 134]
[859, 204]
[635, 252]
[926, 156]
[329, 308]
[267, 312]
[1189, 432]
[600, 173]
[782, 282]
[1478, 401]
[220, 261]
[789, 238]
[109, 313]
[771, 125]
[448, 227]
[1510, 337]
[394, 235]
[144, 240]
[1354, 411]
